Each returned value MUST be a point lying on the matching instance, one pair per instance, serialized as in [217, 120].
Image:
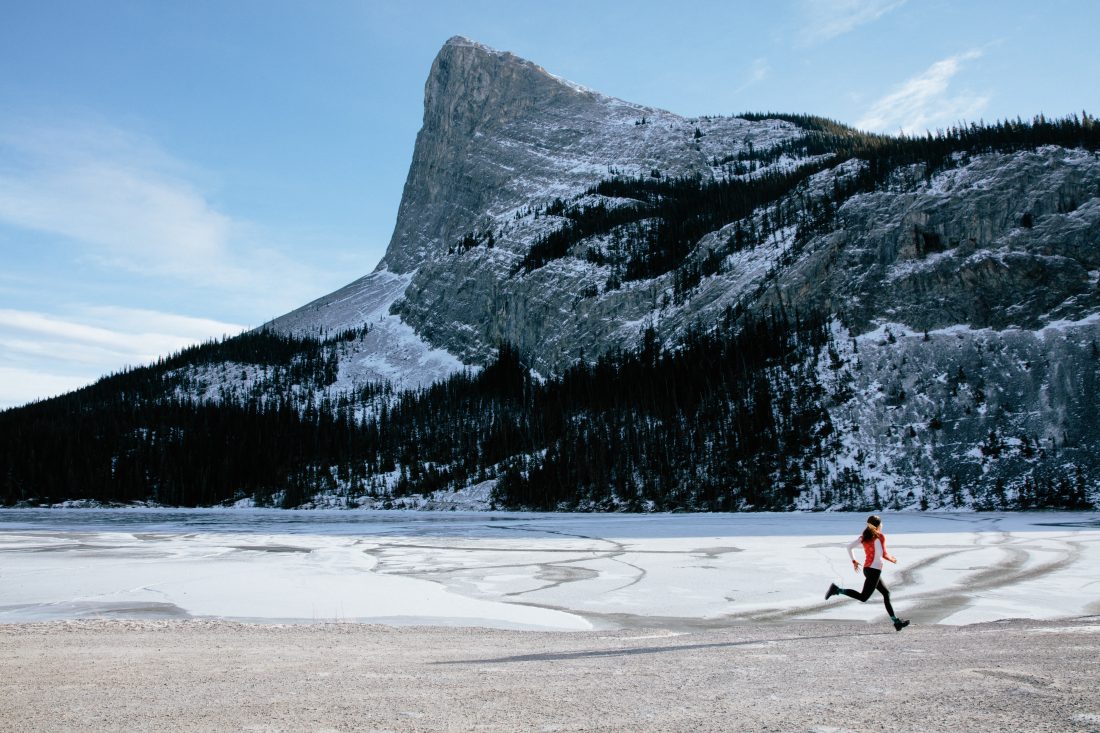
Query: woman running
[874, 550]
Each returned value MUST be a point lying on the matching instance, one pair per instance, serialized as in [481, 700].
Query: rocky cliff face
[1004, 241]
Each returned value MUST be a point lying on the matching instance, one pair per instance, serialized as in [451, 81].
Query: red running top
[874, 551]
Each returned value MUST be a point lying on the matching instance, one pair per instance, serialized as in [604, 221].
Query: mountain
[501, 139]
[619, 307]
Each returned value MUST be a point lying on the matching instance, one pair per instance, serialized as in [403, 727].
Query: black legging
[872, 582]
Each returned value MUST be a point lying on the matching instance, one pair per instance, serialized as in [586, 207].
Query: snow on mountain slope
[391, 351]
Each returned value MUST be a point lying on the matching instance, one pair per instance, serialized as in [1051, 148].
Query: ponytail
[871, 531]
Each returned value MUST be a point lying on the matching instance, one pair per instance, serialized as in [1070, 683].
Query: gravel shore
[194, 675]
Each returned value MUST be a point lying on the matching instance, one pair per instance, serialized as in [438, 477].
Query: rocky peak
[472, 86]
[478, 104]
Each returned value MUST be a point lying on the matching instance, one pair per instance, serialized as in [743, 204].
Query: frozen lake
[536, 571]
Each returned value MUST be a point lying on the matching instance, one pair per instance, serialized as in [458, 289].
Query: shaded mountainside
[635, 430]
[588, 303]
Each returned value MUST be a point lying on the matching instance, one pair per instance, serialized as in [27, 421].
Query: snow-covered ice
[536, 571]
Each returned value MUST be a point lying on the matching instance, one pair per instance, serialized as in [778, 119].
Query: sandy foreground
[192, 675]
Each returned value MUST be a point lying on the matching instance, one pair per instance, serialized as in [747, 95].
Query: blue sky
[173, 171]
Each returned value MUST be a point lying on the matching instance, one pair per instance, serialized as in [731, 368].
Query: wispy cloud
[119, 196]
[758, 72]
[141, 335]
[923, 102]
[129, 205]
[44, 354]
[20, 386]
[823, 20]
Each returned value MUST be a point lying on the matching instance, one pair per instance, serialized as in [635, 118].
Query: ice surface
[536, 571]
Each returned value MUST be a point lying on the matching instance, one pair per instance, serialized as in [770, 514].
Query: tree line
[732, 418]
[722, 421]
